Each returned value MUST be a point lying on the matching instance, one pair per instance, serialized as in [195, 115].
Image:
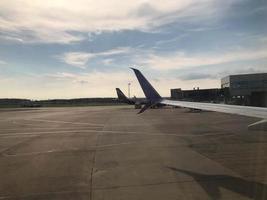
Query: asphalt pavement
[113, 153]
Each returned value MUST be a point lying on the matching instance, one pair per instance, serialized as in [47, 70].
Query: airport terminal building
[242, 89]
[198, 95]
[249, 89]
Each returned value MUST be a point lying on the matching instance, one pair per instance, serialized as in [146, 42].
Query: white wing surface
[249, 111]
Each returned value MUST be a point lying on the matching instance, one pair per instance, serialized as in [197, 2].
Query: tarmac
[113, 153]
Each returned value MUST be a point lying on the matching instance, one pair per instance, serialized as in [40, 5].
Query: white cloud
[60, 21]
[119, 50]
[80, 59]
[2, 62]
[107, 61]
[77, 59]
[179, 60]
[62, 75]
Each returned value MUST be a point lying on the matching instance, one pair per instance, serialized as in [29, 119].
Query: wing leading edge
[249, 111]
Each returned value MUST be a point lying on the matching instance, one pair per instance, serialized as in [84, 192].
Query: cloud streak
[80, 59]
[77, 59]
[59, 21]
[2, 62]
[180, 60]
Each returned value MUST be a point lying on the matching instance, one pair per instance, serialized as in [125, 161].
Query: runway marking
[49, 128]
[17, 144]
[91, 148]
[43, 194]
[46, 152]
[34, 125]
[167, 182]
[110, 132]
[46, 132]
[64, 122]
[141, 185]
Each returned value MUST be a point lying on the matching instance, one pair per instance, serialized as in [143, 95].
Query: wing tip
[134, 69]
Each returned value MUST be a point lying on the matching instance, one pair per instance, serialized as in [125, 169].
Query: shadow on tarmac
[212, 184]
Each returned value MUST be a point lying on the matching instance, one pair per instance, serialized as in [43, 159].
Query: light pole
[129, 94]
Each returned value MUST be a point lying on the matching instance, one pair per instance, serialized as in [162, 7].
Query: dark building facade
[200, 95]
[246, 89]
[243, 89]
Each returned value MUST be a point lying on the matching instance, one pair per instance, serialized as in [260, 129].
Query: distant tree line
[10, 102]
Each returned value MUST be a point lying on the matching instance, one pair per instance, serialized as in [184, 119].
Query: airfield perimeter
[113, 153]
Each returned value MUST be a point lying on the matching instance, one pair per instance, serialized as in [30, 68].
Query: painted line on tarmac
[46, 152]
[64, 122]
[46, 132]
[2, 152]
[43, 194]
[91, 148]
[110, 132]
[19, 123]
[48, 128]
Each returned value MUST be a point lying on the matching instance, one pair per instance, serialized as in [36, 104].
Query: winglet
[123, 98]
[150, 93]
[120, 95]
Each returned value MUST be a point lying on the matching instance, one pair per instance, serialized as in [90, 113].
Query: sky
[85, 48]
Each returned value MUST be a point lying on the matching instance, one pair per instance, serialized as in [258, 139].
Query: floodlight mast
[129, 90]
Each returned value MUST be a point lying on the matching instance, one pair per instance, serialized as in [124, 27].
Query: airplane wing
[249, 111]
[153, 98]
